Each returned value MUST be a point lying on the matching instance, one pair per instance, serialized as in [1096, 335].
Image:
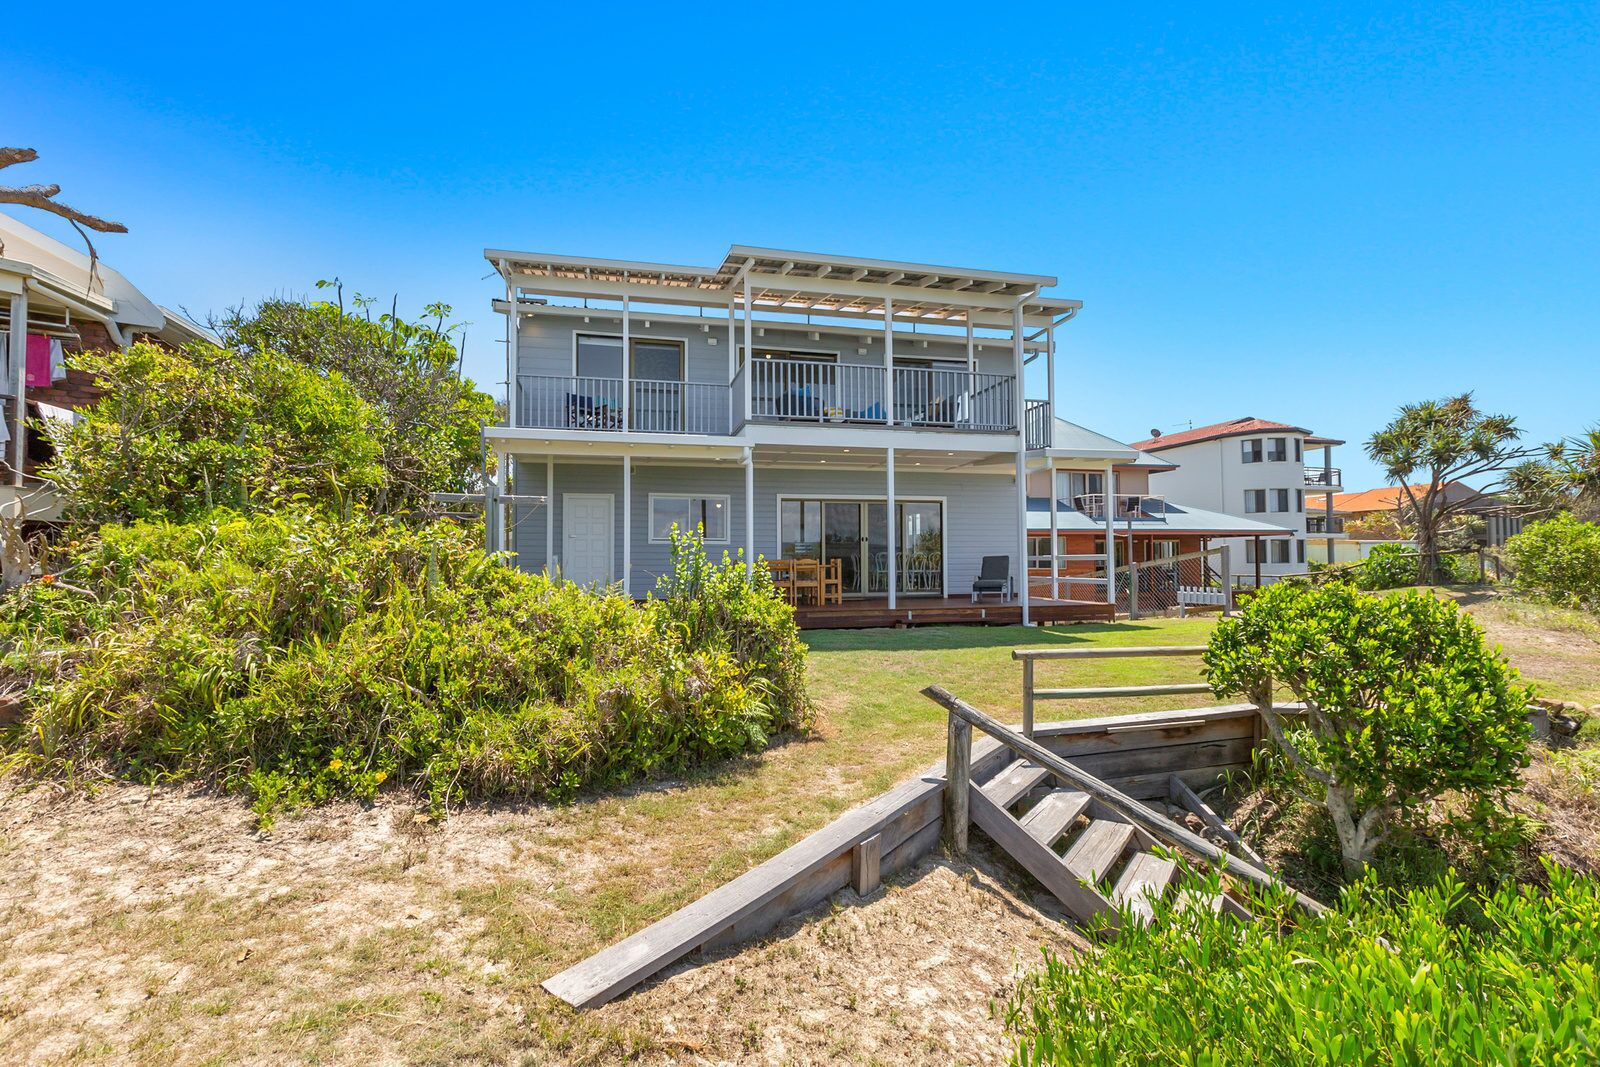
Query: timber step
[1089, 857]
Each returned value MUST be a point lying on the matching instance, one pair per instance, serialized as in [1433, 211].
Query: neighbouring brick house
[51, 299]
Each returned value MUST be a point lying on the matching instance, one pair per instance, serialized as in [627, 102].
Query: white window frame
[1260, 451]
[1273, 458]
[1249, 495]
[727, 502]
[1273, 498]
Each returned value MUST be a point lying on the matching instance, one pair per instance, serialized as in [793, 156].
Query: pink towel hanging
[38, 361]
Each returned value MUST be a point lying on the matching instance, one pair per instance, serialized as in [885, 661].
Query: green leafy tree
[1558, 560]
[1434, 443]
[178, 432]
[1404, 701]
[1566, 478]
[409, 372]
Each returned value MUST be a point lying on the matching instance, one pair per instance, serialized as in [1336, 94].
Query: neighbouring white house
[1254, 469]
[869, 415]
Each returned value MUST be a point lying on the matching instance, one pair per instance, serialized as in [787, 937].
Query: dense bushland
[1558, 560]
[301, 657]
[1438, 976]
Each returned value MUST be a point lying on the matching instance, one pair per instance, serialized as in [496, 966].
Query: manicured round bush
[1558, 560]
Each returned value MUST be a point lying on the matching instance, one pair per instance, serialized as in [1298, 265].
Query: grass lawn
[160, 927]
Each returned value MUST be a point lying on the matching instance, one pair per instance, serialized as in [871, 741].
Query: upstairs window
[1255, 501]
[1280, 500]
[1280, 551]
[1251, 450]
[1298, 458]
[707, 513]
[1300, 501]
[1278, 449]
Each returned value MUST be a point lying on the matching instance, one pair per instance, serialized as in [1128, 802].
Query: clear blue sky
[1304, 213]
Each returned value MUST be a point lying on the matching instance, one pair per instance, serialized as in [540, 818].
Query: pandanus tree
[1432, 444]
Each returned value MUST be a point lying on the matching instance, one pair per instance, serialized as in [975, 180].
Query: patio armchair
[994, 576]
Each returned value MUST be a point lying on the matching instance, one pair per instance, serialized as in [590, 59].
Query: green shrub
[300, 659]
[1437, 977]
[1387, 566]
[1558, 560]
[1404, 701]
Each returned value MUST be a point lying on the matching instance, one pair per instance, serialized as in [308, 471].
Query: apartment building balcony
[1324, 478]
[1318, 524]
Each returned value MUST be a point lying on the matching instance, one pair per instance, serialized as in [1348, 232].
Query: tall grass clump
[1436, 976]
[300, 658]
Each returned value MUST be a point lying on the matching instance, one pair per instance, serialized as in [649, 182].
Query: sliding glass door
[856, 533]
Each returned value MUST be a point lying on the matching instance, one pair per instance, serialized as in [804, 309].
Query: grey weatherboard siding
[980, 512]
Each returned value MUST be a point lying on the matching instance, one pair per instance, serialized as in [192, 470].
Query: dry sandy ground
[159, 926]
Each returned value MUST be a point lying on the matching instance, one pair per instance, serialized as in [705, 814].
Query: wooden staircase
[1101, 853]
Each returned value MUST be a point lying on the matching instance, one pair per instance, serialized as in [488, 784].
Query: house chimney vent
[1155, 435]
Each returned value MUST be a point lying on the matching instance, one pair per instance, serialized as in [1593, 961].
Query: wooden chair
[783, 577]
[807, 581]
[833, 582]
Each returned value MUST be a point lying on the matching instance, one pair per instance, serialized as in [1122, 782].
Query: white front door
[588, 538]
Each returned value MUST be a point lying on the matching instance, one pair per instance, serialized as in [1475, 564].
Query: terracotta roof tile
[1216, 431]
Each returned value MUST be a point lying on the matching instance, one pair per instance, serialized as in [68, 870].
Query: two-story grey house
[873, 415]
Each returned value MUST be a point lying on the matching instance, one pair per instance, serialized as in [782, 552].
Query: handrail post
[957, 781]
[1027, 698]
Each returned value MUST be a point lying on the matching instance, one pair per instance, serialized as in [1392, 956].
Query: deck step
[1197, 898]
[1143, 883]
[1014, 783]
[1098, 848]
[1050, 818]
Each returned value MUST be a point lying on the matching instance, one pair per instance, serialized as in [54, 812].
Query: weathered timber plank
[1067, 727]
[1083, 902]
[1098, 848]
[1180, 793]
[1171, 758]
[865, 860]
[1014, 783]
[1107, 653]
[1050, 817]
[1077, 746]
[1152, 785]
[1088, 692]
[1145, 880]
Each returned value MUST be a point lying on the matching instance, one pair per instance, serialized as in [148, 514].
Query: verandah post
[957, 781]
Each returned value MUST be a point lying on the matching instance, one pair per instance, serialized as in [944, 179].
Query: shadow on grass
[927, 638]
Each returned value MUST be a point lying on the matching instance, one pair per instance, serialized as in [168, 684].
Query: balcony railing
[797, 390]
[550, 402]
[1324, 478]
[781, 390]
[1318, 524]
[1036, 425]
[1128, 505]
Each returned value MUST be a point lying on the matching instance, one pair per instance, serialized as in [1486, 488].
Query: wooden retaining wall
[1134, 753]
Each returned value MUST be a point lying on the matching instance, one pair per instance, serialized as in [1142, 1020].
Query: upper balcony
[1324, 478]
[781, 391]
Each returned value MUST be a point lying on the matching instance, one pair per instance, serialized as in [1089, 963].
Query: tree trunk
[1356, 839]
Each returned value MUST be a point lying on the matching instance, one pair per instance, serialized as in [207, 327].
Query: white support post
[749, 351]
[1055, 534]
[503, 484]
[513, 399]
[1050, 388]
[1111, 534]
[733, 367]
[749, 504]
[19, 384]
[550, 516]
[627, 367]
[972, 375]
[888, 373]
[627, 525]
[892, 526]
[1022, 463]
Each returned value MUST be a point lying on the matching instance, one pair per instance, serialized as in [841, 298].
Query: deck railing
[799, 390]
[1324, 478]
[1129, 505]
[550, 402]
[1036, 425]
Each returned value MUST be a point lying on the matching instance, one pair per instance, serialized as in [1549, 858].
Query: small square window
[707, 515]
[1278, 449]
[1255, 501]
[1251, 450]
[1280, 500]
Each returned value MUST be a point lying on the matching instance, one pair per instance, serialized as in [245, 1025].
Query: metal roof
[1158, 516]
[806, 283]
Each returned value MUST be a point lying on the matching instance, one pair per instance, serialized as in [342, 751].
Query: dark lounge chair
[993, 577]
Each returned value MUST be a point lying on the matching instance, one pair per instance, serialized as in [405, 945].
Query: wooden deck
[941, 611]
